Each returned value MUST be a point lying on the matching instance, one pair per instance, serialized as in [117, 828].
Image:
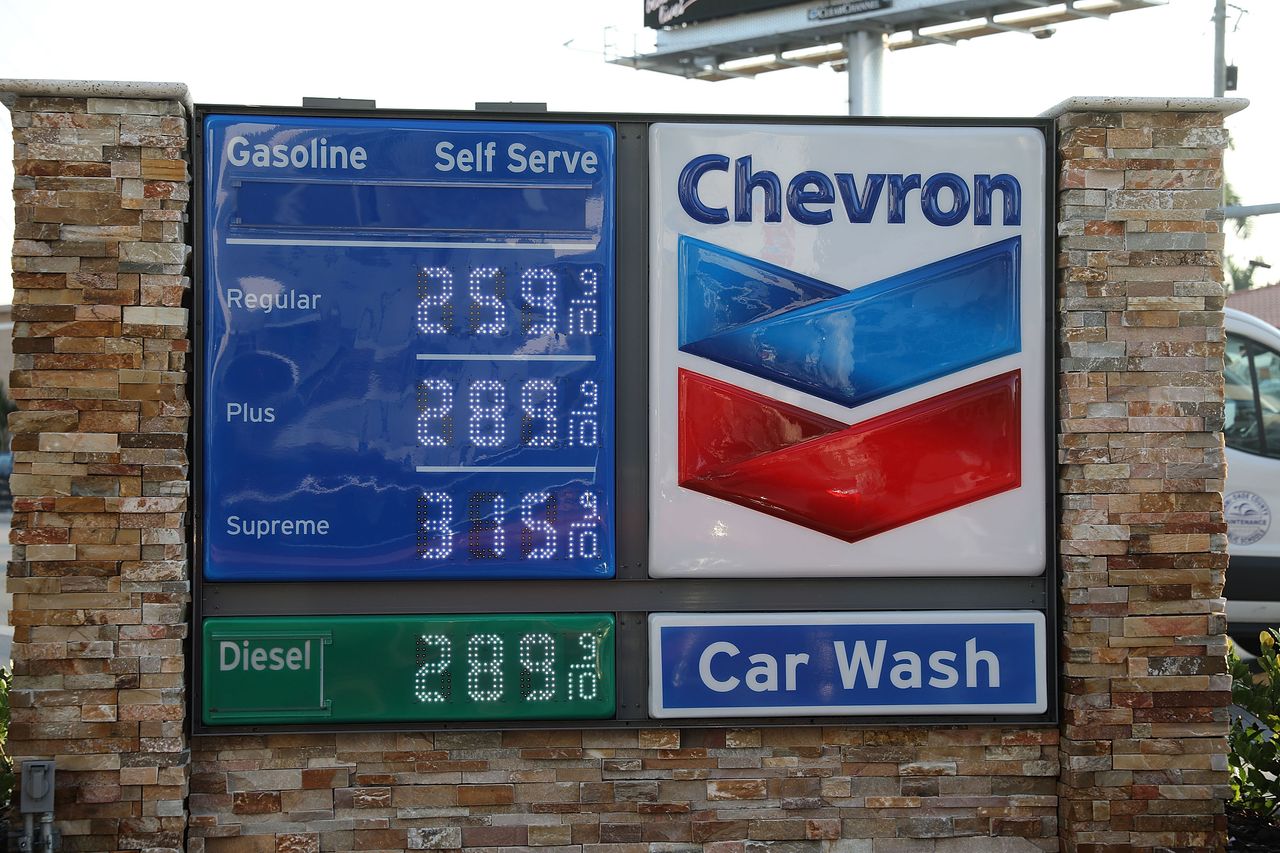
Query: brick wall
[101, 583]
[99, 571]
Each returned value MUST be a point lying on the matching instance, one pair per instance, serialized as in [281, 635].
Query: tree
[1240, 277]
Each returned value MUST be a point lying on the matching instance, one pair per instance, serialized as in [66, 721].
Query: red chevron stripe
[850, 481]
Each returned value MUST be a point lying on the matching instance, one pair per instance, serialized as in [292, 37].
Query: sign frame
[631, 595]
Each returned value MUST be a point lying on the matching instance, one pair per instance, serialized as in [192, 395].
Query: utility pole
[1219, 48]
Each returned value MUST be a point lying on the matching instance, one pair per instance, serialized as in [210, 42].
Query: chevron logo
[849, 347]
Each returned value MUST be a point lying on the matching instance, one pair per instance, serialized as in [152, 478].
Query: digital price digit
[584, 310]
[584, 420]
[435, 306]
[488, 312]
[584, 678]
[488, 540]
[538, 292]
[584, 536]
[487, 662]
[435, 413]
[537, 658]
[487, 426]
[484, 668]
[541, 534]
[433, 682]
[538, 413]
[435, 525]
[486, 415]
[537, 519]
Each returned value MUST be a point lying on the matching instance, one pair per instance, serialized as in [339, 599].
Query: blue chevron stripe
[850, 347]
[735, 290]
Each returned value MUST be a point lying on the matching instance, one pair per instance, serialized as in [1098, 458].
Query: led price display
[408, 668]
[408, 349]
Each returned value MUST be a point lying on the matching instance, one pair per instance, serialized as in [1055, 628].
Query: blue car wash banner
[835, 664]
[409, 349]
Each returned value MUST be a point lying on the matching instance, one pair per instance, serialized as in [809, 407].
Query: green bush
[1255, 743]
[6, 763]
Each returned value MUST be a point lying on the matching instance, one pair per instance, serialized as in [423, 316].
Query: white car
[1252, 493]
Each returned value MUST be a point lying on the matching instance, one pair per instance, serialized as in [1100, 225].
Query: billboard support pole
[865, 71]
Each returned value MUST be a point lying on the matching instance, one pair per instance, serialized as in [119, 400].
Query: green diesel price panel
[357, 669]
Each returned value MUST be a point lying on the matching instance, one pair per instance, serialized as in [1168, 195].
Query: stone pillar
[1140, 296]
[99, 574]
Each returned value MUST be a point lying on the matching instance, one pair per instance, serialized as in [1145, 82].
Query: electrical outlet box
[37, 787]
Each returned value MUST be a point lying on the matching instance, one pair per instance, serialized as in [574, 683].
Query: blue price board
[408, 349]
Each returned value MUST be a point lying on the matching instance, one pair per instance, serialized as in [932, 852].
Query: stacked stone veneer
[1143, 539]
[100, 572]
[791, 790]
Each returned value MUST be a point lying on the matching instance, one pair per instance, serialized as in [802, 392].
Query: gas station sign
[555, 420]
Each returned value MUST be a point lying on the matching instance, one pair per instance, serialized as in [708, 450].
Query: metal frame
[631, 594]
[785, 36]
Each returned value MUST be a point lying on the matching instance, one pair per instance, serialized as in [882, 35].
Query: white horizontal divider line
[506, 469]
[343, 184]
[410, 244]
[479, 356]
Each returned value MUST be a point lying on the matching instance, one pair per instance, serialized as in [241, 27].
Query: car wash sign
[847, 663]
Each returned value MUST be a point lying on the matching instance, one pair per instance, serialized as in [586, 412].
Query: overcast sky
[449, 55]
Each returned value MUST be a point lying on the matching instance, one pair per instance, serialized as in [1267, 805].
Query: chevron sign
[835, 394]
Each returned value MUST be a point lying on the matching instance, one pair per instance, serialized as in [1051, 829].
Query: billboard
[667, 13]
